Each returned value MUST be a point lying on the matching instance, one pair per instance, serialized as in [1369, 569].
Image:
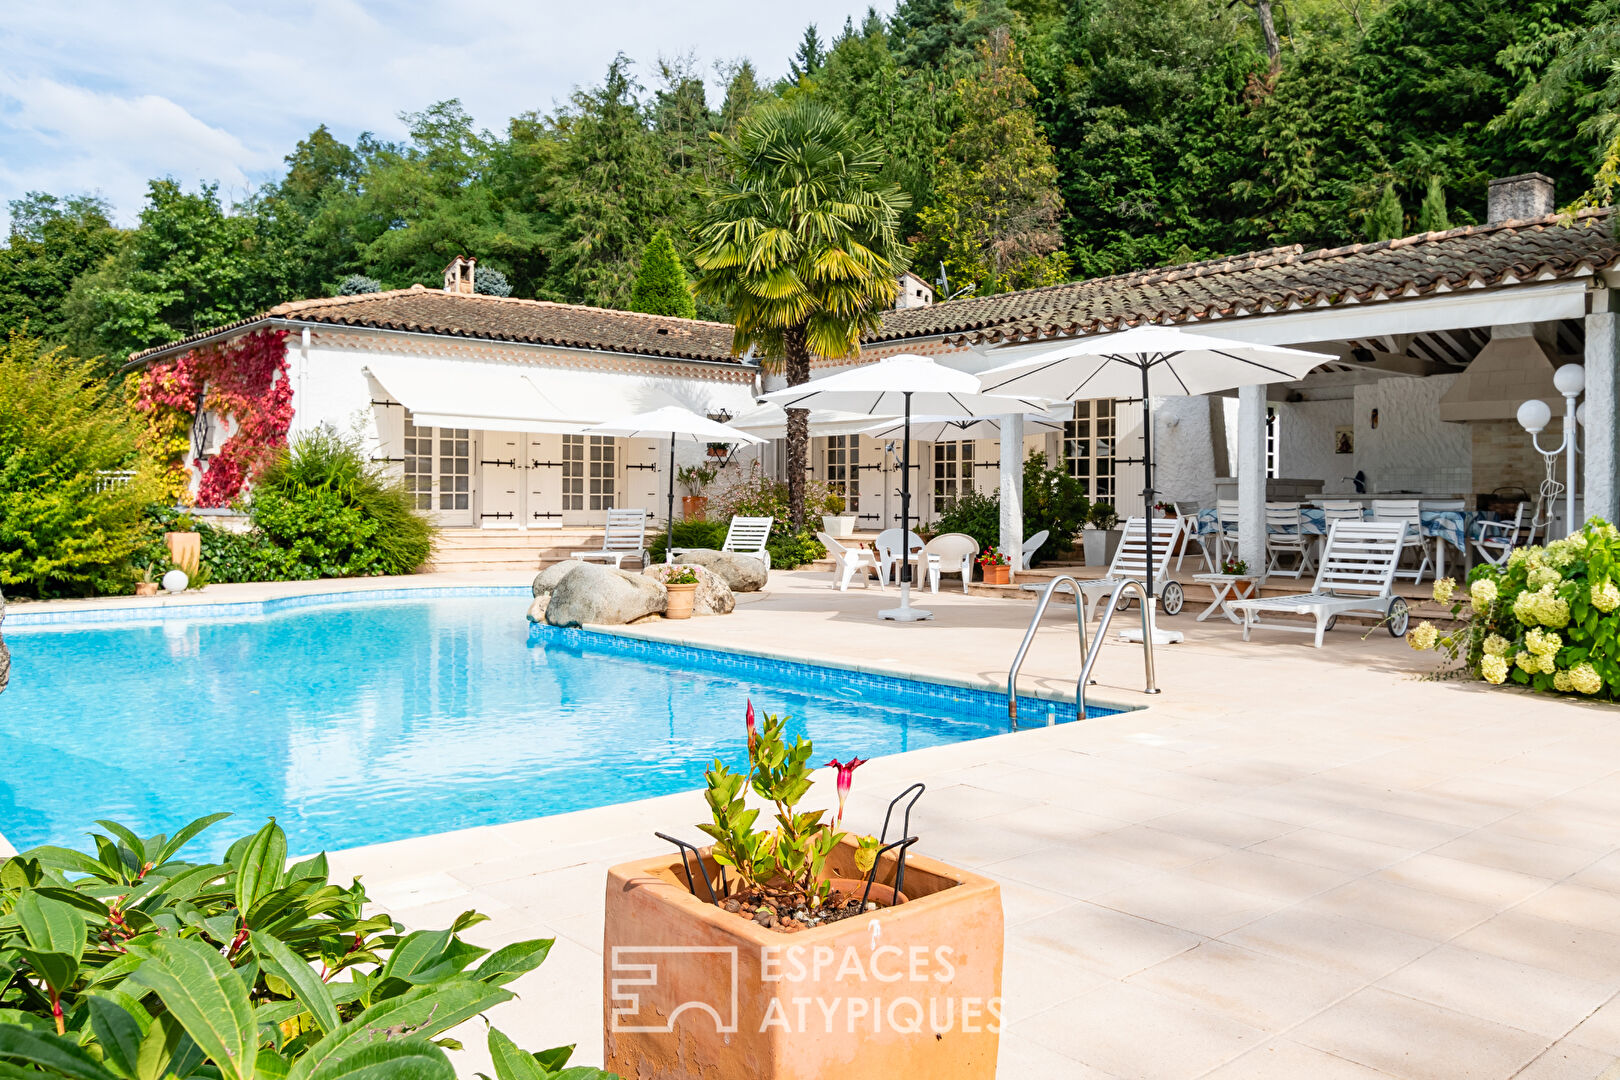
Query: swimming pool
[354, 720]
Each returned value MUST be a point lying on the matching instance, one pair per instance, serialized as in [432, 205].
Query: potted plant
[837, 522]
[185, 545]
[993, 567]
[146, 584]
[718, 449]
[1244, 587]
[682, 588]
[791, 952]
[694, 478]
[1100, 537]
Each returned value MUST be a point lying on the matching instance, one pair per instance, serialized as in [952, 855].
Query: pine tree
[661, 287]
[810, 56]
[1432, 215]
[1385, 220]
[996, 215]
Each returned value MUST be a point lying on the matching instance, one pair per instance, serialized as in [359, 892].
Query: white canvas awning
[530, 398]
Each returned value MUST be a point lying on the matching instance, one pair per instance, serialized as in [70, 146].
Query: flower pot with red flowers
[993, 567]
[799, 951]
[1244, 587]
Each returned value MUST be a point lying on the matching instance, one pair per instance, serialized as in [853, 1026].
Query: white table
[1225, 588]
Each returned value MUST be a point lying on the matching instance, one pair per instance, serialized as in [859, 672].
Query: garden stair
[473, 550]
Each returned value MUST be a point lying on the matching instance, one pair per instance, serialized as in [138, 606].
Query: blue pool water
[359, 721]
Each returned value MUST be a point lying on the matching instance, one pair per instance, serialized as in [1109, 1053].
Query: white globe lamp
[1580, 414]
[175, 581]
[1570, 380]
[1534, 416]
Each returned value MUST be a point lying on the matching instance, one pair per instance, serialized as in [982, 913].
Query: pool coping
[166, 609]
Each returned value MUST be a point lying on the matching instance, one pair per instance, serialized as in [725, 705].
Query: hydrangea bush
[1548, 619]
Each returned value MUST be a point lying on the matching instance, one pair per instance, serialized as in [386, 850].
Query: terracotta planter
[691, 990]
[146, 588]
[680, 601]
[185, 550]
[996, 575]
[694, 507]
[1244, 589]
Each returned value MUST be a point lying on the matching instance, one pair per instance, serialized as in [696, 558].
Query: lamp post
[1534, 415]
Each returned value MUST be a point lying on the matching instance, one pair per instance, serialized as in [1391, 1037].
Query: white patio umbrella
[958, 428]
[1150, 361]
[770, 421]
[674, 421]
[896, 385]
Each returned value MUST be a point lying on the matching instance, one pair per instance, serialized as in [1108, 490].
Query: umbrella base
[1160, 637]
[905, 614]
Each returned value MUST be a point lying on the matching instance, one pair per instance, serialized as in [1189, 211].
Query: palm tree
[802, 244]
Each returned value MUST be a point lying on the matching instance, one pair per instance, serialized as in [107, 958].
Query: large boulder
[546, 582]
[713, 596]
[743, 573]
[600, 595]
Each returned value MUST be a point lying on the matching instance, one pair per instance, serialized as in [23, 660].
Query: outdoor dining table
[1448, 527]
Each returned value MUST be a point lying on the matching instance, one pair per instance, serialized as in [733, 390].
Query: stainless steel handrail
[1029, 636]
[1088, 656]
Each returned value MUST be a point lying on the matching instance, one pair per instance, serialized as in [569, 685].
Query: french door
[590, 477]
[953, 473]
[439, 472]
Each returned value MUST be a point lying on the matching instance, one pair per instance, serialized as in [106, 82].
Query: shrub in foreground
[134, 964]
[1548, 619]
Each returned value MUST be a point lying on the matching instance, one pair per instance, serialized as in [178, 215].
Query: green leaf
[271, 1066]
[185, 836]
[313, 868]
[136, 846]
[508, 962]
[197, 985]
[18, 873]
[510, 1062]
[261, 865]
[556, 1058]
[423, 1011]
[60, 858]
[307, 986]
[405, 1059]
[53, 1053]
[118, 1033]
[50, 925]
[57, 969]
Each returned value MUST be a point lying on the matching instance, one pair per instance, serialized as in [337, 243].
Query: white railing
[108, 479]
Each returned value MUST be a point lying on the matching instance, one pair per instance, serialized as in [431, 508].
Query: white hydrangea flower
[1423, 636]
[1495, 669]
[1543, 643]
[1584, 678]
[1543, 576]
[1443, 589]
[1482, 594]
[1529, 663]
[1561, 682]
[1496, 645]
[1605, 596]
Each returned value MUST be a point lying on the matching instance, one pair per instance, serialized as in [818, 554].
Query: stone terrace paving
[1296, 864]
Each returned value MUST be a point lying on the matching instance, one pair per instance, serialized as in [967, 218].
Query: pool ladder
[1088, 656]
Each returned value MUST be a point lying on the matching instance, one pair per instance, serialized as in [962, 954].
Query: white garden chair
[1290, 538]
[889, 554]
[1226, 515]
[847, 562]
[1130, 561]
[950, 553]
[623, 537]
[1409, 511]
[1356, 577]
[1495, 540]
[745, 536]
[1031, 546]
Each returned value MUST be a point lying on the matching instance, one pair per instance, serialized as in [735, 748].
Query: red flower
[846, 777]
[753, 735]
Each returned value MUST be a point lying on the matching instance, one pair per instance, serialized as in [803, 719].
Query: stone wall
[1504, 457]
[1411, 448]
[1307, 451]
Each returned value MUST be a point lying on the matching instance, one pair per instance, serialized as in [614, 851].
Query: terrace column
[1251, 474]
[1012, 489]
[1600, 441]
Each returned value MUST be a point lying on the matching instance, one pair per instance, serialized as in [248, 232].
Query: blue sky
[99, 96]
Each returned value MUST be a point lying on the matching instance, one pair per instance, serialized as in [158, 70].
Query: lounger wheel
[1399, 617]
[1329, 624]
[1172, 597]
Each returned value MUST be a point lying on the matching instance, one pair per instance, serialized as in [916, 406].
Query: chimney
[1519, 198]
[458, 276]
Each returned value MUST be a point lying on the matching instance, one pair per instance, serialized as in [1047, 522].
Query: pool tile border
[148, 612]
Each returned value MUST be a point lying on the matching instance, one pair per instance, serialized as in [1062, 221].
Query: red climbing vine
[244, 381]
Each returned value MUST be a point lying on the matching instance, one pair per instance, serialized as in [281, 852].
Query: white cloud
[103, 95]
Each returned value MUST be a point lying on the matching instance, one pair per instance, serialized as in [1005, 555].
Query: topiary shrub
[1548, 619]
[67, 523]
[135, 963]
[328, 512]
[661, 286]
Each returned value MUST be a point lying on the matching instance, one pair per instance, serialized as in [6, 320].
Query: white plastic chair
[1410, 513]
[1292, 539]
[1190, 536]
[623, 537]
[1031, 546]
[847, 562]
[889, 554]
[950, 553]
[1226, 513]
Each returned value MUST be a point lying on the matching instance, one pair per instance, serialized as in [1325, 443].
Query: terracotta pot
[691, 990]
[694, 507]
[146, 588]
[185, 551]
[1243, 588]
[996, 575]
[680, 601]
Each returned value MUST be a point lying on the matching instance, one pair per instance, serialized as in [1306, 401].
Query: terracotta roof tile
[1279, 278]
[495, 318]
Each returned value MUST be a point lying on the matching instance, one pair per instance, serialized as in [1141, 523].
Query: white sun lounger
[624, 537]
[745, 536]
[1131, 561]
[1356, 577]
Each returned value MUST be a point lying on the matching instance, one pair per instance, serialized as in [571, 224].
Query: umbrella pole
[669, 534]
[1151, 604]
[905, 612]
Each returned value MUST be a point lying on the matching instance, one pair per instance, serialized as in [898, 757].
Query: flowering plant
[1234, 567]
[990, 557]
[1546, 619]
[789, 861]
[684, 576]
